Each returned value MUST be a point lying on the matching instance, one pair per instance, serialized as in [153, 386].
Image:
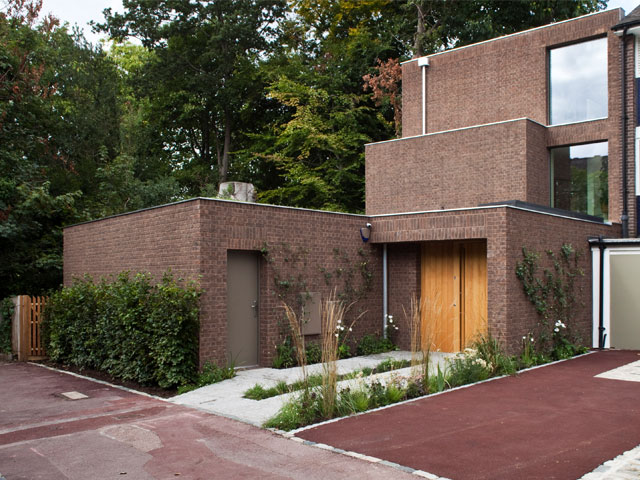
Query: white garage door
[624, 300]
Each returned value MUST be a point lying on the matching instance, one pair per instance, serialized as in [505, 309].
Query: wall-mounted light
[365, 233]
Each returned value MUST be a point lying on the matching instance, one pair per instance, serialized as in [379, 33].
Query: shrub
[467, 368]
[488, 349]
[210, 374]
[128, 328]
[314, 353]
[302, 409]
[285, 354]
[257, 392]
[371, 344]
[6, 316]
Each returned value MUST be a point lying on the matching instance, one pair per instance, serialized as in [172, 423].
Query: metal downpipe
[601, 335]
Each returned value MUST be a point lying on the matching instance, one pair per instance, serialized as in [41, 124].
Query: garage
[616, 293]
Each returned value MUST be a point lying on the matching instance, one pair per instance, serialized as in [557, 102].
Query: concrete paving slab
[226, 398]
[628, 373]
[74, 395]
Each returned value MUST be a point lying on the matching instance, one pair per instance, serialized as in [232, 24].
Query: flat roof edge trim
[490, 207]
[460, 129]
[224, 200]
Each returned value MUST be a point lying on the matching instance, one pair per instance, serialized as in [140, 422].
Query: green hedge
[6, 316]
[128, 327]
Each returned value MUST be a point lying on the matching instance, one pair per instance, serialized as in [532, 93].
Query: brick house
[519, 141]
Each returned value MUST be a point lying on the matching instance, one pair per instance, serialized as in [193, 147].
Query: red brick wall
[404, 281]
[148, 241]
[506, 230]
[319, 240]
[496, 80]
[506, 79]
[541, 233]
[192, 238]
[458, 169]
[321, 248]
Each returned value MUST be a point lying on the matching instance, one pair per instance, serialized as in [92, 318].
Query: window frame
[549, 90]
[552, 200]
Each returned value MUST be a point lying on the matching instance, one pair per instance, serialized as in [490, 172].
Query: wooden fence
[27, 320]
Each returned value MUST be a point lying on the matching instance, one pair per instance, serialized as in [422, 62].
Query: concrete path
[117, 434]
[559, 421]
[226, 398]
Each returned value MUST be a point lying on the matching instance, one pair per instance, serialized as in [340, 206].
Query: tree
[443, 24]
[314, 149]
[385, 86]
[204, 73]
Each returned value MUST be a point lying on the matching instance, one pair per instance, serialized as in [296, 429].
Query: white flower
[481, 362]
[339, 321]
[524, 338]
[350, 329]
[556, 329]
[531, 339]
[337, 335]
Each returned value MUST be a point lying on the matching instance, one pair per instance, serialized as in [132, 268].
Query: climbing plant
[553, 292]
[293, 271]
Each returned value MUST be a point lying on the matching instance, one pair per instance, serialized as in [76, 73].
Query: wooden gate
[27, 338]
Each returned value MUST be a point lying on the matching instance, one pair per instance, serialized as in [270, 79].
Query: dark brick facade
[192, 238]
[487, 141]
[501, 80]
[458, 169]
[506, 231]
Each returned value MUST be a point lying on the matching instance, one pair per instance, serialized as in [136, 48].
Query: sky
[82, 11]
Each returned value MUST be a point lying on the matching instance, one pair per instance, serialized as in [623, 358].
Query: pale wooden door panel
[474, 320]
[454, 294]
[440, 292]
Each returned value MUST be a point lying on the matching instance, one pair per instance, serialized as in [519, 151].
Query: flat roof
[515, 204]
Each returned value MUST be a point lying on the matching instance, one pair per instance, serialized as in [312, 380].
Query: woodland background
[280, 94]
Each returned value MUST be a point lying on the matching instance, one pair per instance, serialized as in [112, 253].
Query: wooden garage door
[454, 293]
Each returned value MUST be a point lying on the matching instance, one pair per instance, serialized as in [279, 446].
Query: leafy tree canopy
[281, 94]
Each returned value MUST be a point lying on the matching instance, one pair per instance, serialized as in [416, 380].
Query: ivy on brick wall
[295, 275]
[128, 327]
[552, 290]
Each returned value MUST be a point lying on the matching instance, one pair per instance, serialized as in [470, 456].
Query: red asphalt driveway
[554, 422]
[115, 434]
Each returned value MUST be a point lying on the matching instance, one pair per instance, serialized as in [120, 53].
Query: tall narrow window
[579, 178]
[578, 82]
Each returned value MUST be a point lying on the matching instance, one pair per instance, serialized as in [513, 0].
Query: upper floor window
[578, 82]
[580, 178]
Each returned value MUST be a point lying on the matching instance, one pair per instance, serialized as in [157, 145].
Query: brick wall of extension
[500, 80]
[192, 238]
[506, 230]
